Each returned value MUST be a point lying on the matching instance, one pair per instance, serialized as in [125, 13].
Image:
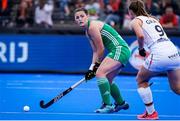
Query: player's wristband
[142, 52]
[91, 66]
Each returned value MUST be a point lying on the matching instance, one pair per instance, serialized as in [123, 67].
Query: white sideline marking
[79, 89]
[70, 81]
[86, 114]
[18, 84]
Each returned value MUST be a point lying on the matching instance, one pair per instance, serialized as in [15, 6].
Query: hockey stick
[59, 96]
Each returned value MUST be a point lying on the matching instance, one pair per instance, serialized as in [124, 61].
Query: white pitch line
[79, 89]
[18, 84]
[87, 114]
[37, 81]
[70, 81]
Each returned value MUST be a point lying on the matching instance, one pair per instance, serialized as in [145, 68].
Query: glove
[90, 74]
[96, 66]
[92, 71]
[142, 52]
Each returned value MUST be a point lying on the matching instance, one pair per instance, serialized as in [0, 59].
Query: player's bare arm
[93, 48]
[94, 33]
[136, 25]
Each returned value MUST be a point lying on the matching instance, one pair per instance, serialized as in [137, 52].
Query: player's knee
[141, 82]
[175, 86]
[138, 79]
[100, 74]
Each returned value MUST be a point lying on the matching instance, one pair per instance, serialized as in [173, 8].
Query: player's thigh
[143, 76]
[107, 66]
[174, 78]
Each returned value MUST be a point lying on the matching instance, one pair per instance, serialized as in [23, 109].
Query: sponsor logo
[13, 52]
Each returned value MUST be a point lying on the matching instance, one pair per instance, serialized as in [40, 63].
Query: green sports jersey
[117, 47]
[111, 39]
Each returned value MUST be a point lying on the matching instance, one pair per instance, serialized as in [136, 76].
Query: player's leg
[174, 80]
[115, 92]
[113, 74]
[145, 93]
[114, 60]
[107, 66]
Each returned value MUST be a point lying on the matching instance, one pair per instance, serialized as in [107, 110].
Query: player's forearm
[97, 56]
[141, 42]
[94, 57]
[94, 60]
[100, 54]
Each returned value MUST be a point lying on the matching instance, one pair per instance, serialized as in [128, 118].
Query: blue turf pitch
[18, 90]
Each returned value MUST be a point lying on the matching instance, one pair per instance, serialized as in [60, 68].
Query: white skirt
[164, 56]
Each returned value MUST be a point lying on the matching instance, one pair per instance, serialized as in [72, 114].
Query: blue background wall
[64, 53]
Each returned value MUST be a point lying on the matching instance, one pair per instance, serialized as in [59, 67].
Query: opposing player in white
[164, 56]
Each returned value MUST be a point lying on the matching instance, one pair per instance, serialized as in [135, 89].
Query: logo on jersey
[175, 55]
[150, 21]
[136, 60]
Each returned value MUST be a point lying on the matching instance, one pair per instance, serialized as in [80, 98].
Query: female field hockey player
[164, 56]
[103, 36]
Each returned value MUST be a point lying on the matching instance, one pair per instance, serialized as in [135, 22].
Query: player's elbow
[141, 37]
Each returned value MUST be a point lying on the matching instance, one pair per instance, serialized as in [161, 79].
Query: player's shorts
[164, 56]
[121, 54]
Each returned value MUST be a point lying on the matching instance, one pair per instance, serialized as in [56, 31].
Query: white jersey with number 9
[164, 54]
[152, 30]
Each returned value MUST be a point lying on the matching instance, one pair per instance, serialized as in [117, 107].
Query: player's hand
[96, 66]
[92, 72]
[142, 52]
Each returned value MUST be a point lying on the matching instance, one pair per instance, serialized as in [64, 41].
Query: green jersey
[117, 47]
[111, 39]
